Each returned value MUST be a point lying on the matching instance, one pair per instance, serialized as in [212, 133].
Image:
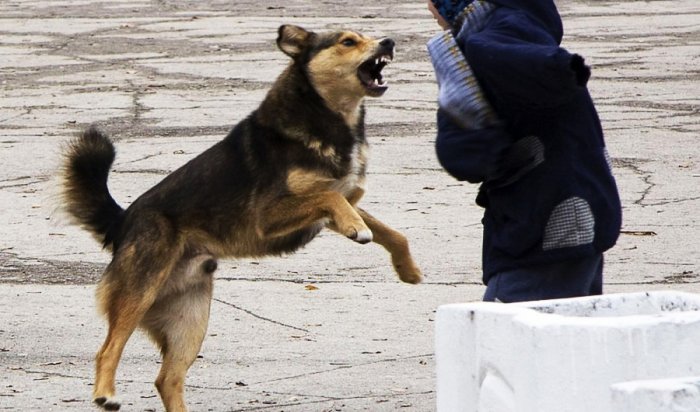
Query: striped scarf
[459, 92]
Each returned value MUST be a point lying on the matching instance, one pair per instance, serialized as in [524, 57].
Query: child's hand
[583, 72]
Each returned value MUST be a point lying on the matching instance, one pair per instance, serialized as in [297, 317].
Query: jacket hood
[544, 11]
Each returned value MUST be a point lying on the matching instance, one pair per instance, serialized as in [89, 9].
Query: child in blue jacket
[515, 115]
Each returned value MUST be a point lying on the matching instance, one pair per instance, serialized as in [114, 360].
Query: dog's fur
[292, 167]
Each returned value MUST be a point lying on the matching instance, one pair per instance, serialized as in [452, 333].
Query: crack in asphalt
[646, 176]
[263, 318]
[341, 367]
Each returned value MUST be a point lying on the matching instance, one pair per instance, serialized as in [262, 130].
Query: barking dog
[292, 167]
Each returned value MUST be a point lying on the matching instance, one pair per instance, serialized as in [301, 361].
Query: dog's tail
[87, 160]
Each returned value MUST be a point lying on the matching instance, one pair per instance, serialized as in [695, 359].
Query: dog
[295, 165]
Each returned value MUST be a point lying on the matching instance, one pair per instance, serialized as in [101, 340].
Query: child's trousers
[566, 279]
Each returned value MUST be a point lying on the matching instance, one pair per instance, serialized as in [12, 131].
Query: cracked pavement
[328, 328]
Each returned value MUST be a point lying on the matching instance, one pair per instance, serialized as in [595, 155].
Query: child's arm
[471, 155]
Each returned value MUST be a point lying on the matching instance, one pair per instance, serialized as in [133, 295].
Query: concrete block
[660, 395]
[561, 355]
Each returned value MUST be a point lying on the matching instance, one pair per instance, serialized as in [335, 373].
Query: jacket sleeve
[523, 66]
[471, 155]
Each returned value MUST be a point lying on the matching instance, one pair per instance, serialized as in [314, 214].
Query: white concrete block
[661, 395]
[561, 355]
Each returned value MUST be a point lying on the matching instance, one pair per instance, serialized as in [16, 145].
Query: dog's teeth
[376, 61]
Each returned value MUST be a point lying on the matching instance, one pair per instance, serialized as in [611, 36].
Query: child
[515, 115]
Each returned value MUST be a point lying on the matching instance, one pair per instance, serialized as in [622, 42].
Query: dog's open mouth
[370, 73]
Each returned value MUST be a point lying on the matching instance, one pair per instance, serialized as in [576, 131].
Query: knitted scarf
[459, 92]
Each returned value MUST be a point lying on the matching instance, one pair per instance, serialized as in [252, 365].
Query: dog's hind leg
[177, 322]
[397, 245]
[129, 287]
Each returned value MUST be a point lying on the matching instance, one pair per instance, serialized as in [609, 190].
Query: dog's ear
[292, 40]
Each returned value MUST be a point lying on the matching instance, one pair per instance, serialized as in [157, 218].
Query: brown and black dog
[292, 167]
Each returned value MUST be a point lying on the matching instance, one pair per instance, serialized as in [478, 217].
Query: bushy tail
[87, 160]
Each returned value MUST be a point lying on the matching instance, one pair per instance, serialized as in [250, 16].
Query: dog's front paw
[363, 236]
[108, 404]
[408, 271]
[360, 235]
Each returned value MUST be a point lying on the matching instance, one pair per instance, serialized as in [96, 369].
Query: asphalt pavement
[329, 328]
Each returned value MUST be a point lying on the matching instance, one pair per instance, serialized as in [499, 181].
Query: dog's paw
[108, 404]
[408, 271]
[363, 236]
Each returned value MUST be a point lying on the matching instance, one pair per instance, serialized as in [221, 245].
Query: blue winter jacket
[547, 184]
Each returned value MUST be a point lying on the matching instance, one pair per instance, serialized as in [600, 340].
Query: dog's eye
[348, 42]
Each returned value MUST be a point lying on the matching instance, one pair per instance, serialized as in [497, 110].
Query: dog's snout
[387, 43]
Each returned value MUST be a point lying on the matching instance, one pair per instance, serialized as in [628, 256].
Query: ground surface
[168, 78]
